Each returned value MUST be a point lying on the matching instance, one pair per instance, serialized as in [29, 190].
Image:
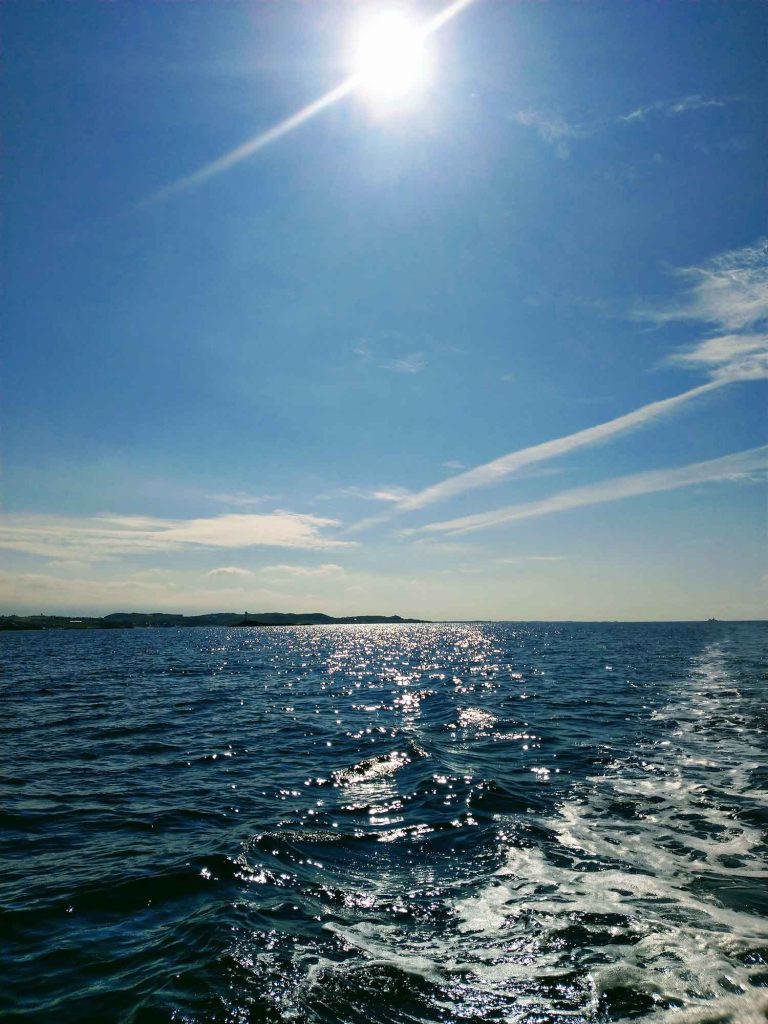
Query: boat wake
[628, 901]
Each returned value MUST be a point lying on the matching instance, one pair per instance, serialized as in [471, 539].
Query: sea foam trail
[640, 862]
[659, 874]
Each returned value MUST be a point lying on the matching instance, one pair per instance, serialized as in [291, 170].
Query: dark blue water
[492, 822]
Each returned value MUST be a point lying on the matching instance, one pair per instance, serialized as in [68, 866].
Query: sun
[389, 59]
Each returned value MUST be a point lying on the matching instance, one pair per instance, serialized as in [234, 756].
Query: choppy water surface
[493, 822]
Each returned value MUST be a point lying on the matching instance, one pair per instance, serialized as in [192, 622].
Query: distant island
[133, 620]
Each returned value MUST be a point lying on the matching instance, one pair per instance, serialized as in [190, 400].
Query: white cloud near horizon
[99, 537]
[230, 570]
[285, 573]
[738, 466]
[328, 569]
[81, 595]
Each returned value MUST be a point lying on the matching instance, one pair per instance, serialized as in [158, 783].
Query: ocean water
[529, 823]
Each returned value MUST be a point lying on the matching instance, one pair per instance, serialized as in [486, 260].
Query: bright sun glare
[389, 57]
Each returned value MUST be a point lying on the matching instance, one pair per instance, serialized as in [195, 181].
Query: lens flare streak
[270, 135]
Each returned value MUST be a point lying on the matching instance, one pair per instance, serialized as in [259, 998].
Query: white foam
[673, 939]
[750, 1008]
[640, 888]
[381, 947]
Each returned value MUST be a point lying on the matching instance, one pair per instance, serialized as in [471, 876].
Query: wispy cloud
[729, 357]
[230, 570]
[364, 350]
[328, 569]
[739, 466]
[282, 573]
[386, 493]
[371, 354]
[99, 537]
[414, 362]
[558, 132]
[439, 546]
[240, 499]
[674, 108]
[729, 292]
[552, 128]
[729, 295]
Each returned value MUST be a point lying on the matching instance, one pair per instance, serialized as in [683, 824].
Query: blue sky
[496, 352]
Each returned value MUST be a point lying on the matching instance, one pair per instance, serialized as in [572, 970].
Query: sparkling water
[463, 822]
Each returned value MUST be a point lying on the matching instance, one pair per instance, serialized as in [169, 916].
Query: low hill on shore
[133, 620]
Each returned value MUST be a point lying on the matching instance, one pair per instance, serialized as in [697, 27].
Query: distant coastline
[138, 620]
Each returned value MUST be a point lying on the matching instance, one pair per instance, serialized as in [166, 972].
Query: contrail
[253, 145]
[493, 472]
[738, 466]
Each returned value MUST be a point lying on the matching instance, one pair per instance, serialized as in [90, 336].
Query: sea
[473, 822]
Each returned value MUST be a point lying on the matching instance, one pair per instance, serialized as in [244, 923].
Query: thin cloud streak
[270, 135]
[673, 108]
[102, 537]
[730, 467]
[282, 573]
[498, 469]
[386, 493]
